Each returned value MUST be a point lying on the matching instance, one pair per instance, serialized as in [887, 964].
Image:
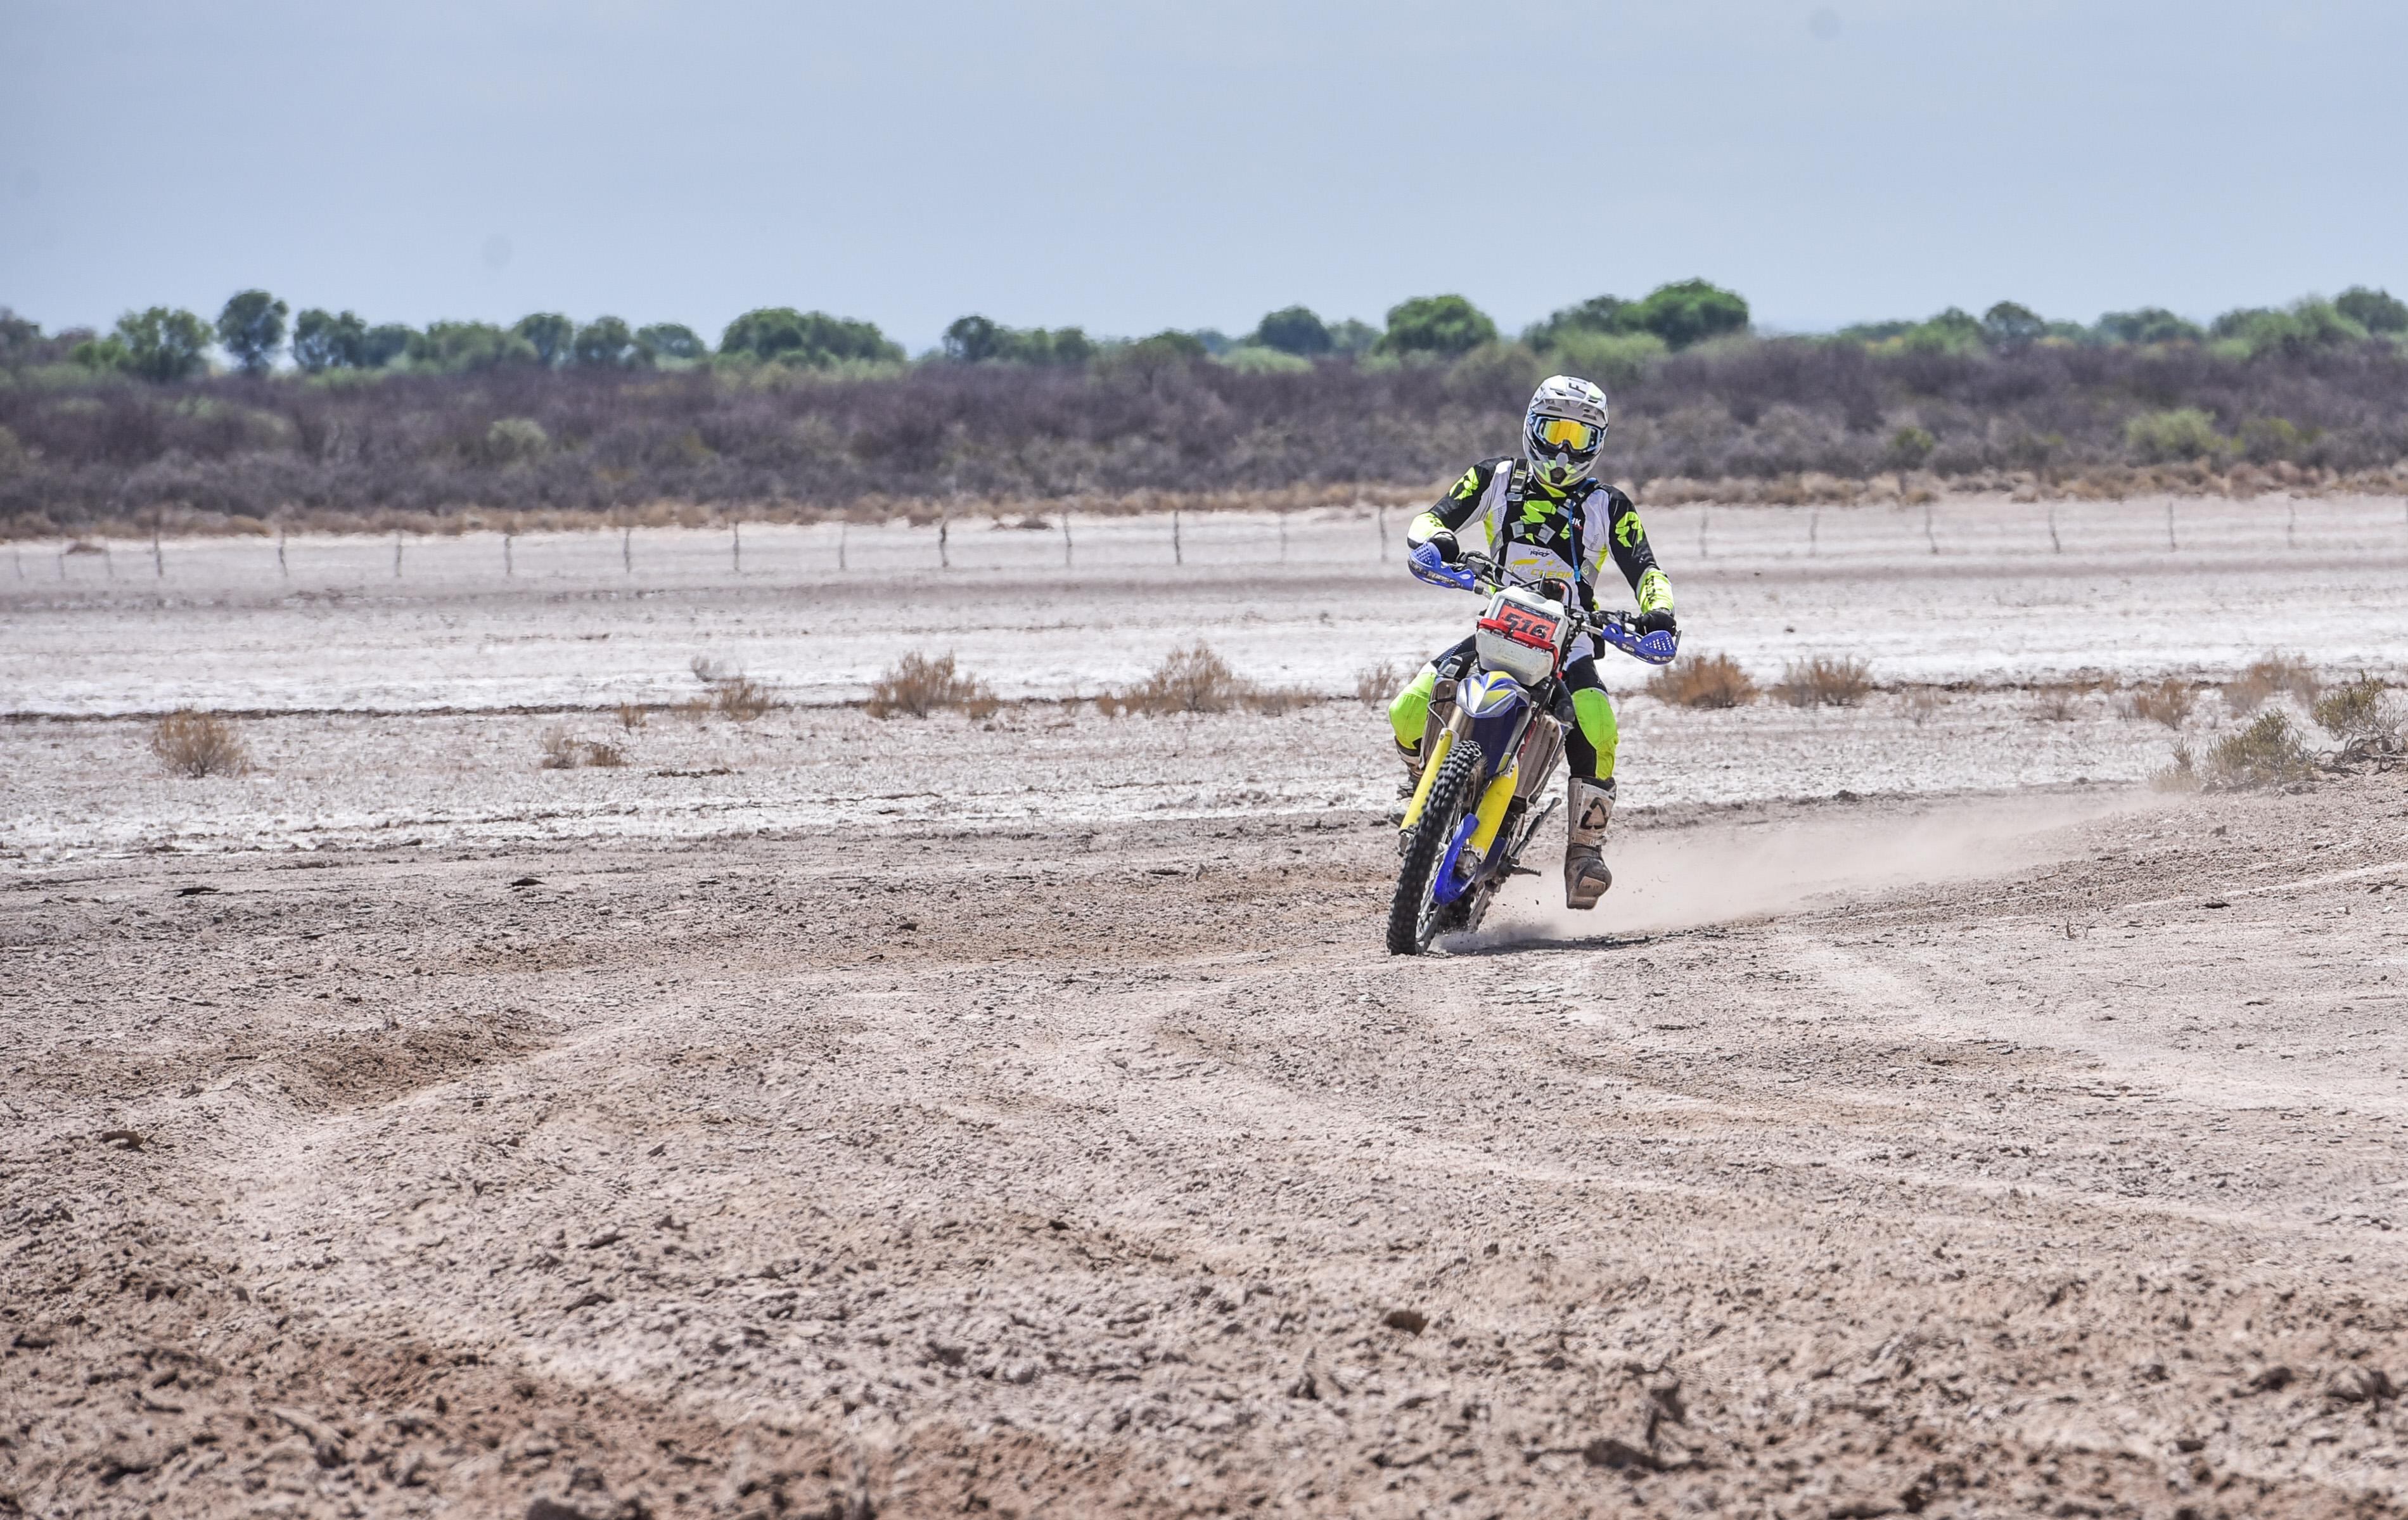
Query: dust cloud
[1682, 877]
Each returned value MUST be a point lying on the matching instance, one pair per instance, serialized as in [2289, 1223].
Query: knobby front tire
[1413, 915]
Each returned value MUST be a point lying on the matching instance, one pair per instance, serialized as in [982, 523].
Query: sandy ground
[824, 1117]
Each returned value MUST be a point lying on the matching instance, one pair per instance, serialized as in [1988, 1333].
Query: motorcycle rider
[1549, 524]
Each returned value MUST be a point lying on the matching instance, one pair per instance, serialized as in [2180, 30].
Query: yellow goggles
[1563, 433]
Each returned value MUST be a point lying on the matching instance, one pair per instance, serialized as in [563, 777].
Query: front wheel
[1415, 917]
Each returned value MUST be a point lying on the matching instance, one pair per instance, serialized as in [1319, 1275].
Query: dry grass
[2181, 776]
[1824, 681]
[743, 698]
[1375, 685]
[2056, 704]
[1196, 679]
[1923, 704]
[918, 686]
[192, 744]
[2267, 753]
[632, 716]
[563, 750]
[2360, 710]
[2167, 702]
[1716, 680]
[2266, 677]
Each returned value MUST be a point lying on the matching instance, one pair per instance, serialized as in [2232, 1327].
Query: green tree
[811, 338]
[384, 344]
[550, 334]
[973, 339]
[164, 343]
[607, 343]
[1294, 330]
[252, 329]
[1689, 312]
[1353, 338]
[1953, 330]
[2377, 312]
[1444, 326]
[455, 347]
[321, 340]
[671, 340]
[2149, 324]
[2009, 325]
[1597, 314]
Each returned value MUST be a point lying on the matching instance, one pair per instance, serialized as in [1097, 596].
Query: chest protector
[1537, 538]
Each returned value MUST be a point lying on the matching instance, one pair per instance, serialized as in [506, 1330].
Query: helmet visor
[1562, 435]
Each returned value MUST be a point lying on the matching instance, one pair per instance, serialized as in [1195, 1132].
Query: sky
[1144, 164]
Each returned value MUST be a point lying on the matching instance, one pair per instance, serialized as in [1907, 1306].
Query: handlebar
[1477, 573]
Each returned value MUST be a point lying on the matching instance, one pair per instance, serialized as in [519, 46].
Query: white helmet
[1564, 430]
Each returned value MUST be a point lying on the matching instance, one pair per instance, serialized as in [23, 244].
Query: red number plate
[1521, 625]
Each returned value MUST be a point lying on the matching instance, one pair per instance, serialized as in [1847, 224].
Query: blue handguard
[1657, 648]
[1428, 565]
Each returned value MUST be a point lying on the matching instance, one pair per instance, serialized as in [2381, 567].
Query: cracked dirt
[1073, 1169]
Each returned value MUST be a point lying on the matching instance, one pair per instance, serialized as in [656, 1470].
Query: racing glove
[1660, 619]
[1443, 542]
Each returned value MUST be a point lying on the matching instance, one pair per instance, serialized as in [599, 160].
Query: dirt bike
[1494, 734]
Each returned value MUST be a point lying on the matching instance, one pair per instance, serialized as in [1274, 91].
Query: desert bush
[2266, 677]
[631, 715]
[2056, 704]
[1196, 679]
[1376, 685]
[2183, 433]
[1715, 680]
[2180, 776]
[2167, 702]
[197, 744]
[2266, 753]
[743, 698]
[1923, 704]
[2360, 710]
[1824, 681]
[512, 441]
[563, 750]
[918, 686]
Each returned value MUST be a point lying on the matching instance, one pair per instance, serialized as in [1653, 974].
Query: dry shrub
[197, 744]
[2266, 677]
[2266, 753]
[2181, 776]
[632, 716]
[1716, 680]
[709, 671]
[1375, 685]
[919, 685]
[742, 698]
[2360, 710]
[1196, 679]
[2056, 704]
[1824, 681]
[563, 750]
[1923, 704]
[2167, 702]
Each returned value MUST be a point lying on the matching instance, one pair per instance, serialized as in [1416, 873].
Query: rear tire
[1413, 915]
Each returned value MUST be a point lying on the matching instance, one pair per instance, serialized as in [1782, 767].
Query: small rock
[609, 1237]
[1304, 1387]
[123, 1139]
[528, 882]
[2272, 1380]
[1411, 1321]
[2361, 1385]
[1606, 1452]
[951, 1355]
[194, 891]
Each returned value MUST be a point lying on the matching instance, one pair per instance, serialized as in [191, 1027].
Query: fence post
[1178, 555]
[509, 569]
[2291, 528]
[1066, 538]
[627, 547]
[1384, 534]
[2054, 546]
[1705, 515]
[1814, 531]
[396, 553]
[281, 568]
[109, 559]
[2170, 525]
[944, 532]
[158, 560]
[1282, 519]
[736, 544]
[1928, 536]
[843, 531]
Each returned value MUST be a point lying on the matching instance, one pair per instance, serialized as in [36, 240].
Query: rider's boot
[1412, 759]
[1588, 808]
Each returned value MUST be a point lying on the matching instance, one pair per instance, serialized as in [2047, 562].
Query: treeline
[797, 413]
